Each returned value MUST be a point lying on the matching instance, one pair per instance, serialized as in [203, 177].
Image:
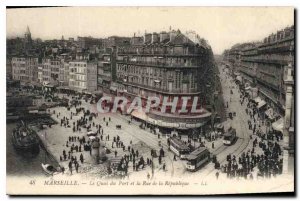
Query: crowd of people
[78, 144]
[264, 158]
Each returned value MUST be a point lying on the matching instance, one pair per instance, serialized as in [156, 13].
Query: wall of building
[24, 69]
[262, 64]
[171, 66]
[92, 76]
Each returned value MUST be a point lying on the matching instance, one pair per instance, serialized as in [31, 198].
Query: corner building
[166, 64]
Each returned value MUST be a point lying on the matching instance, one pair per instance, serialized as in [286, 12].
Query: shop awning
[247, 88]
[278, 125]
[112, 88]
[261, 104]
[270, 113]
[139, 115]
[239, 78]
[257, 99]
[157, 81]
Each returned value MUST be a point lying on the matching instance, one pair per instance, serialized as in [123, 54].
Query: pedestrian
[76, 166]
[70, 166]
[81, 158]
[217, 175]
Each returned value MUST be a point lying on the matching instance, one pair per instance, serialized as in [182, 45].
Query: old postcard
[150, 100]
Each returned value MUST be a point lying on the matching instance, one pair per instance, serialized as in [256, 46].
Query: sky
[222, 27]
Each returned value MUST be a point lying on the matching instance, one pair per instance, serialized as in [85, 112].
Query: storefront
[182, 127]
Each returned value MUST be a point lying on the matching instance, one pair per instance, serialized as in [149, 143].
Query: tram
[229, 137]
[197, 158]
[220, 129]
[178, 147]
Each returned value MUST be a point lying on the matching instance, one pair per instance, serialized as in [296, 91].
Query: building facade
[51, 71]
[105, 71]
[166, 64]
[262, 64]
[24, 69]
[83, 76]
[40, 74]
[88, 42]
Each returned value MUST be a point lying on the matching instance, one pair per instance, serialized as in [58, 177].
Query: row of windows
[78, 64]
[78, 84]
[78, 77]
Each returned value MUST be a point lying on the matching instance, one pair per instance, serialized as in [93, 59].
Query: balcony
[159, 53]
[281, 61]
[159, 64]
[160, 90]
[268, 84]
[267, 73]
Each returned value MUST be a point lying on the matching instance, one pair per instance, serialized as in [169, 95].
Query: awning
[239, 78]
[105, 78]
[219, 126]
[247, 88]
[278, 125]
[98, 93]
[270, 113]
[139, 115]
[257, 99]
[112, 88]
[261, 104]
[157, 81]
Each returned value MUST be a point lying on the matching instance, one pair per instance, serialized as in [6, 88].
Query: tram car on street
[197, 159]
[179, 148]
[220, 129]
[229, 137]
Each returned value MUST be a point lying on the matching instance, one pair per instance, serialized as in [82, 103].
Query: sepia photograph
[150, 100]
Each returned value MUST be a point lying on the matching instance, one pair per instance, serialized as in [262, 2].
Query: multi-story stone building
[87, 42]
[92, 68]
[262, 64]
[46, 63]
[61, 75]
[83, 76]
[51, 70]
[167, 64]
[24, 69]
[40, 74]
[105, 71]
[66, 73]
[275, 53]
